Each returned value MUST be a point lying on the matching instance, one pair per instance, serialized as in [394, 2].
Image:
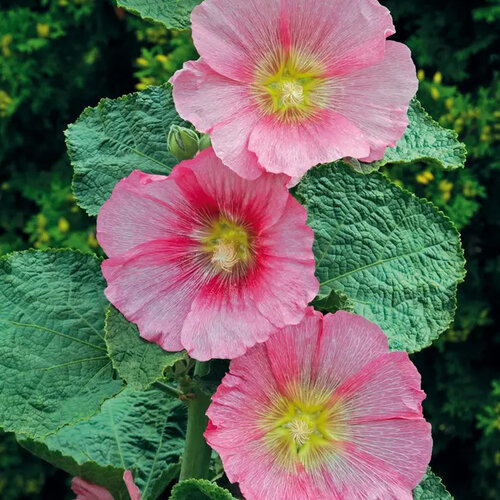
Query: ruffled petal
[224, 322]
[293, 148]
[376, 98]
[262, 201]
[88, 491]
[141, 208]
[206, 98]
[153, 285]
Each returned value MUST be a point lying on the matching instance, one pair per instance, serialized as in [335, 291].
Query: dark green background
[58, 56]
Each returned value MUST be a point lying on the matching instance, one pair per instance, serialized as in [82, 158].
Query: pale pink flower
[322, 410]
[204, 260]
[89, 491]
[283, 85]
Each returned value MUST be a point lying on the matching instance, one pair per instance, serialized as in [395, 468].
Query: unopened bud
[204, 142]
[182, 142]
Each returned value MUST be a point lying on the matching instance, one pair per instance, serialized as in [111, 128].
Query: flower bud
[182, 142]
[204, 142]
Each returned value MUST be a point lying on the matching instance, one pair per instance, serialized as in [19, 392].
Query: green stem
[196, 456]
[168, 389]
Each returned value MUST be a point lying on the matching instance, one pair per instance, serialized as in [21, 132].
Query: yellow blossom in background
[5, 102]
[438, 77]
[425, 177]
[43, 30]
[63, 225]
[161, 58]
[435, 93]
[92, 241]
[421, 75]
[445, 187]
[449, 103]
[142, 62]
[6, 41]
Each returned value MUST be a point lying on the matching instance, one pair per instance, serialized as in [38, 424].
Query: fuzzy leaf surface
[136, 430]
[199, 489]
[396, 257]
[424, 141]
[138, 362]
[54, 367]
[431, 488]
[174, 14]
[108, 142]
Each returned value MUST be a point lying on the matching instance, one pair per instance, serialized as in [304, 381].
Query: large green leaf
[199, 489]
[54, 368]
[426, 141]
[431, 488]
[138, 362]
[396, 257]
[139, 431]
[171, 13]
[118, 136]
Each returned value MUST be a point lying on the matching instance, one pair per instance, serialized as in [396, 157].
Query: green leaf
[139, 431]
[333, 302]
[118, 136]
[396, 257]
[138, 362]
[54, 368]
[423, 141]
[431, 488]
[171, 13]
[199, 489]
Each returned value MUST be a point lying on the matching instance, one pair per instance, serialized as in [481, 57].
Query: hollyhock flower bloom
[283, 85]
[204, 260]
[322, 410]
[88, 491]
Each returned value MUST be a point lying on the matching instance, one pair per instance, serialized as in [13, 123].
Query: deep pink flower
[89, 491]
[204, 260]
[283, 85]
[322, 410]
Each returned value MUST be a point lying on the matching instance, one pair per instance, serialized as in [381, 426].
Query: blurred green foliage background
[58, 56]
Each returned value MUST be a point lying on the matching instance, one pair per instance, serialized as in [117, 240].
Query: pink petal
[223, 323]
[232, 36]
[132, 489]
[376, 98]
[342, 34]
[141, 208]
[152, 287]
[88, 491]
[388, 387]
[230, 142]
[262, 202]
[348, 342]
[293, 148]
[205, 97]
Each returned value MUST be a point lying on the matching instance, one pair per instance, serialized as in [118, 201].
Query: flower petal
[153, 285]
[205, 97]
[294, 147]
[376, 98]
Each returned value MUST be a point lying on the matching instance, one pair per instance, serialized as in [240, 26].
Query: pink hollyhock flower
[204, 260]
[322, 410]
[283, 85]
[88, 491]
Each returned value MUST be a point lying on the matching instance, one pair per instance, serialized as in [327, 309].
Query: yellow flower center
[228, 245]
[291, 87]
[305, 428]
